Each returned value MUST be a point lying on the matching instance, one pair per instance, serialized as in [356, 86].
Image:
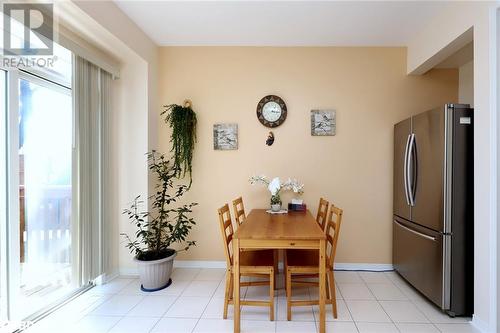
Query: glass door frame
[4, 282]
[13, 218]
[9, 230]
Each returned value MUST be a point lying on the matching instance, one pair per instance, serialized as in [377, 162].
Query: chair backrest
[322, 213]
[227, 231]
[239, 211]
[332, 233]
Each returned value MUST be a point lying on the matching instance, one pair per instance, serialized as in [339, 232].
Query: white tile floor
[367, 302]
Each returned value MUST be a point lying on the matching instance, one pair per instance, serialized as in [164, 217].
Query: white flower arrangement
[275, 186]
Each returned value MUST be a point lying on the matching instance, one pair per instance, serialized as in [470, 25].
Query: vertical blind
[91, 98]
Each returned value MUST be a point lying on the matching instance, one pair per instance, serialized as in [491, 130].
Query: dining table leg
[322, 286]
[236, 279]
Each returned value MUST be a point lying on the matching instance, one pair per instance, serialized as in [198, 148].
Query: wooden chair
[239, 210]
[240, 217]
[321, 220]
[252, 264]
[322, 213]
[309, 263]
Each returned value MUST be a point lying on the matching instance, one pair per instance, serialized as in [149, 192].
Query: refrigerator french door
[433, 205]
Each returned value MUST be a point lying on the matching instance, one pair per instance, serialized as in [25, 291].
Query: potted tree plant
[167, 223]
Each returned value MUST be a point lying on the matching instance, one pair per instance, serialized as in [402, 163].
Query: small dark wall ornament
[270, 139]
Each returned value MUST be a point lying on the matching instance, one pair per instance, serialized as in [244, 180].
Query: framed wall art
[225, 136]
[323, 122]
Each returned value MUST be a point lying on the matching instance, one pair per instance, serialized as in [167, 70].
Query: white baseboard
[109, 277]
[105, 278]
[480, 325]
[222, 264]
[199, 264]
[363, 267]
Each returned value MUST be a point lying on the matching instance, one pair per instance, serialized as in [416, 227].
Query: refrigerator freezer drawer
[418, 257]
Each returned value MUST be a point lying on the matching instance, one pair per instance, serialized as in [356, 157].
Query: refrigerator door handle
[405, 170]
[416, 232]
[410, 169]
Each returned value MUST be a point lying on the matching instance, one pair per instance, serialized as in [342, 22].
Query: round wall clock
[271, 111]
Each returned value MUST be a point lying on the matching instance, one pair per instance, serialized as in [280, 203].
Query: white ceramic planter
[155, 274]
[276, 207]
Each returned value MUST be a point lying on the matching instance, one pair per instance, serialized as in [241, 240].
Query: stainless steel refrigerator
[433, 221]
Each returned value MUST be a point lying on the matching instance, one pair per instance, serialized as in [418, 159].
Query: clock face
[271, 111]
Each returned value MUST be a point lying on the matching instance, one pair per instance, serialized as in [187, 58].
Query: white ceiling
[281, 23]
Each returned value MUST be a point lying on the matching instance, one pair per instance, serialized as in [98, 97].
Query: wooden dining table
[293, 230]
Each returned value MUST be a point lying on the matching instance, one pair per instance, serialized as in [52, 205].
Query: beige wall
[369, 89]
[466, 83]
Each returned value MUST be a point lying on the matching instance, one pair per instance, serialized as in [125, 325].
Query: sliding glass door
[45, 126]
[37, 233]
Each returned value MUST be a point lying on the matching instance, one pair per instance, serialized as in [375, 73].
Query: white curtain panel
[106, 80]
[91, 95]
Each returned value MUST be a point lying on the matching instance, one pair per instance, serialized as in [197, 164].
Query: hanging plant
[182, 121]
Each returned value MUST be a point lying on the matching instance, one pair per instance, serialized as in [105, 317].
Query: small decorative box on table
[297, 207]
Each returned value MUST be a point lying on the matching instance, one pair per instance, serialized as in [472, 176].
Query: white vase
[155, 274]
[276, 207]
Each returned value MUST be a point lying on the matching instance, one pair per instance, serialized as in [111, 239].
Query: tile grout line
[312, 309]
[413, 302]
[114, 294]
[418, 308]
[380, 304]
[143, 298]
[427, 317]
[211, 297]
[84, 312]
[223, 280]
[344, 301]
[176, 298]
[96, 300]
[163, 316]
[336, 286]
[91, 307]
[349, 310]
